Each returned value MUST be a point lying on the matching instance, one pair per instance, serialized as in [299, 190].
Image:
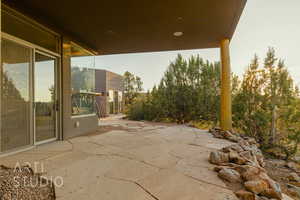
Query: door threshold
[12, 152]
[21, 150]
[45, 141]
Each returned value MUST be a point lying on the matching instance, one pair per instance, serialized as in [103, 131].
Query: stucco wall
[114, 81]
[100, 80]
[72, 126]
[105, 81]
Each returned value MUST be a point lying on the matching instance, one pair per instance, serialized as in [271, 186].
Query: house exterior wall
[100, 86]
[100, 79]
[114, 81]
[72, 125]
[39, 36]
[107, 83]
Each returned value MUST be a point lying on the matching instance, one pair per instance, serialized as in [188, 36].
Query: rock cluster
[23, 183]
[243, 163]
[293, 166]
[293, 184]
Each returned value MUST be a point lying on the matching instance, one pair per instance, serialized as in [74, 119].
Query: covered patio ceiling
[131, 26]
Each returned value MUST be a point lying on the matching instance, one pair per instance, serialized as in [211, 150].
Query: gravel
[22, 183]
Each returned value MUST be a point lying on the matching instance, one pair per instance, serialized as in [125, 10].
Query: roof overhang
[131, 26]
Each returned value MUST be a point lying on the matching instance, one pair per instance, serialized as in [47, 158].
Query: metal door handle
[56, 105]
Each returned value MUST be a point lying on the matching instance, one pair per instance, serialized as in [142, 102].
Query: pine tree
[132, 85]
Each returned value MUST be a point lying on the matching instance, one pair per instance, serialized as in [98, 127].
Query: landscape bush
[266, 103]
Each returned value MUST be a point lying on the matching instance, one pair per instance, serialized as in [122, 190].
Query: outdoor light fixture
[178, 34]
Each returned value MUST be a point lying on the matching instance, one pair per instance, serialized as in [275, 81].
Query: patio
[51, 32]
[131, 160]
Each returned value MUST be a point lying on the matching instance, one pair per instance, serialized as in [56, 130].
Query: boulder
[244, 163]
[236, 158]
[234, 138]
[230, 175]
[294, 190]
[216, 132]
[263, 198]
[233, 147]
[243, 143]
[246, 154]
[245, 195]
[249, 172]
[273, 191]
[250, 140]
[256, 186]
[226, 134]
[292, 165]
[254, 161]
[218, 157]
[265, 186]
[218, 168]
[261, 161]
[293, 177]
[295, 183]
[215, 129]
[217, 135]
[277, 162]
[258, 154]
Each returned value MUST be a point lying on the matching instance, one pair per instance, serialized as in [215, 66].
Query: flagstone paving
[133, 161]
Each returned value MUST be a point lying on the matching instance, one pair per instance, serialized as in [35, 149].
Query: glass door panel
[15, 95]
[45, 97]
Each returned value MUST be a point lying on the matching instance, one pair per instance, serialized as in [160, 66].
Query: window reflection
[82, 82]
[15, 104]
[45, 114]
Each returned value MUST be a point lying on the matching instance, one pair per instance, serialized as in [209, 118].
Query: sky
[44, 80]
[263, 24]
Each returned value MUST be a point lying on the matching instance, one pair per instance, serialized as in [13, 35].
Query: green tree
[133, 85]
[261, 107]
[289, 123]
[189, 90]
[266, 103]
[248, 114]
[278, 91]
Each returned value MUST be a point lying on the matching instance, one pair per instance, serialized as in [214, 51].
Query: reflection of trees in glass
[82, 83]
[82, 79]
[46, 108]
[9, 90]
[18, 76]
[13, 105]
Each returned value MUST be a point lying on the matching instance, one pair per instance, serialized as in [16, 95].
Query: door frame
[56, 102]
[58, 125]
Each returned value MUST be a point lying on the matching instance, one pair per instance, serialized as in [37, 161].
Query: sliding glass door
[45, 97]
[16, 65]
[28, 96]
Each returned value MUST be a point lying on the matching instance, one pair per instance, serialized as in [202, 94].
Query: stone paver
[140, 161]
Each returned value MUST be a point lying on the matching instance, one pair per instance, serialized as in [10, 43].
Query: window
[82, 82]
